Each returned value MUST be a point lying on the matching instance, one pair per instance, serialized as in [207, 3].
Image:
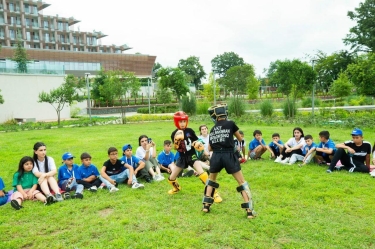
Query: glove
[178, 137]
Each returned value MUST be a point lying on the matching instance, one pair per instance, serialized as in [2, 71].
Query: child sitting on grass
[25, 184]
[166, 158]
[307, 151]
[257, 146]
[67, 177]
[88, 174]
[276, 146]
[3, 194]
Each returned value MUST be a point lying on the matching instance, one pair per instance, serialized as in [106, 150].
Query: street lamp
[313, 91]
[213, 74]
[88, 94]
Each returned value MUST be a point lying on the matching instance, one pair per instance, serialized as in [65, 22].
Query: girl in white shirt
[293, 146]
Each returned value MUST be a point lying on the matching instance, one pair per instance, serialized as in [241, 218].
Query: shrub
[307, 102]
[202, 107]
[189, 104]
[164, 96]
[341, 113]
[266, 108]
[289, 109]
[236, 107]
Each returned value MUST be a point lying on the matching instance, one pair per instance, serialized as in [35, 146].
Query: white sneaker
[278, 159]
[285, 161]
[157, 178]
[372, 173]
[113, 189]
[138, 185]
[93, 189]
[161, 176]
[102, 186]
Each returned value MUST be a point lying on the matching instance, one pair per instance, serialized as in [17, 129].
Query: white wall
[20, 94]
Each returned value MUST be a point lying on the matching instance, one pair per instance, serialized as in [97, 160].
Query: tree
[328, 67]
[1, 99]
[208, 88]
[293, 79]
[221, 63]
[20, 57]
[253, 87]
[362, 74]
[99, 80]
[155, 70]
[192, 67]
[362, 36]
[174, 79]
[342, 87]
[238, 78]
[64, 94]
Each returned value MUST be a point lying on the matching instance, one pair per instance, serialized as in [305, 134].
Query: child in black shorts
[222, 144]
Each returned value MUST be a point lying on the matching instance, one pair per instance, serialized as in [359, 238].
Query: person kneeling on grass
[25, 185]
[223, 156]
[307, 152]
[67, 177]
[115, 171]
[358, 152]
[88, 174]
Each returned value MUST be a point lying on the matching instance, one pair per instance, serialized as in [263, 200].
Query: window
[36, 46]
[1, 19]
[34, 22]
[46, 46]
[28, 37]
[27, 9]
[60, 25]
[2, 33]
[74, 39]
[27, 22]
[12, 34]
[35, 10]
[17, 8]
[46, 37]
[12, 20]
[11, 6]
[45, 24]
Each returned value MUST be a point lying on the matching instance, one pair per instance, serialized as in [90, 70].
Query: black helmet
[220, 110]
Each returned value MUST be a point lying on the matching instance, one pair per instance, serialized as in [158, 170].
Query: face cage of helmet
[218, 112]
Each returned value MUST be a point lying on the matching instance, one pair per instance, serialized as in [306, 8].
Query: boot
[204, 178]
[175, 187]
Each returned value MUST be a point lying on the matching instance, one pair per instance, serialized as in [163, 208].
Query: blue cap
[67, 155]
[126, 146]
[357, 132]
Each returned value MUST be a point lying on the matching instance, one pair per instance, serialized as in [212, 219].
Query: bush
[164, 96]
[289, 109]
[266, 108]
[236, 107]
[202, 107]
[158, 109]
[189, 104]
[307, 102]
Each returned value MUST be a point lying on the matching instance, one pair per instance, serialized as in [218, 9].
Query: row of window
[32, 9]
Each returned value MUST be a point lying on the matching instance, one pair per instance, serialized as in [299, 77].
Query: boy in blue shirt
[88, 174]
[307, 152]
[326, 148]
[276, 146]
[257, 146]
[137, 164]
[3, 194]
[166, 158]
[67, 177]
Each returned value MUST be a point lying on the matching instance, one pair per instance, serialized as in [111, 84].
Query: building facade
[53, 39]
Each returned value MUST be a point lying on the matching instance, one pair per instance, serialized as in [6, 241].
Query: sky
[259, 31]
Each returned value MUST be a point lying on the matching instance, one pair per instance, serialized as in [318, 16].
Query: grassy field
[297, 207]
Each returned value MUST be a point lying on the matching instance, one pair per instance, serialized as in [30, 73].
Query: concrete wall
[20, 94]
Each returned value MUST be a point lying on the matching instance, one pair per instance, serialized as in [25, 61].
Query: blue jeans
[73, 186]
[3, 199]
[119, 178]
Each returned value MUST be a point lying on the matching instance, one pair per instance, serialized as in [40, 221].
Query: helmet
[178, 116]
[219, 110]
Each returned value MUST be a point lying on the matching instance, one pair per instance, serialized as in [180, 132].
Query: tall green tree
[98, 81]
[293, 78]
[328, 67]
[155, 70]
[238, 78]
[64, 94]
[21, 57]
[192, 67]
[362, 74]
[362, 36]
[208, 88]
[174, 79]
[342, 87]
[221, 63]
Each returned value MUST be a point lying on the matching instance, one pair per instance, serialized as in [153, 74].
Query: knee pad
[244, 189]
[209, 197]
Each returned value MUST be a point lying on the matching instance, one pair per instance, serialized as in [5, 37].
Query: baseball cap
[67, 155]
[357, 132]
[126, 146]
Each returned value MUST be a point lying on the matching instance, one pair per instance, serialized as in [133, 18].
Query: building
[52, 42]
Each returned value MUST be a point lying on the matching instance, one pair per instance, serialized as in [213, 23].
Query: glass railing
[33, 68]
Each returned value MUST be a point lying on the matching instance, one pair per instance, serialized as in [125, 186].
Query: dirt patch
[105, 212]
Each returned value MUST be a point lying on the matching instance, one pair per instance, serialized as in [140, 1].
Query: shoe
[138, 185]
[157, 178]
[329, 171]
[59, 197]
[372, 173]
[161, 176]
[148, 179]
[278, 159]
[67, 196]
[113, 189]
[93, 189]
[285, 161]
[77, 196]
[102, 186]
[49, 200]
[323, 163]
[188, 173]
[15, 205]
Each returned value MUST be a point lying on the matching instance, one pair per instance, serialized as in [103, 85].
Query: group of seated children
[302, 148]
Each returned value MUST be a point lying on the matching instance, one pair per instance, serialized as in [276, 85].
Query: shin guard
[204, 177]
[208, 198]
[175, 187]
[244, 190]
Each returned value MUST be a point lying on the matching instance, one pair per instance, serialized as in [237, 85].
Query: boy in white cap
[357, 157]
[67, 178]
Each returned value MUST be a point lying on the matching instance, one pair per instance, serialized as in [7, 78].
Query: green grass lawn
[297, 207]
